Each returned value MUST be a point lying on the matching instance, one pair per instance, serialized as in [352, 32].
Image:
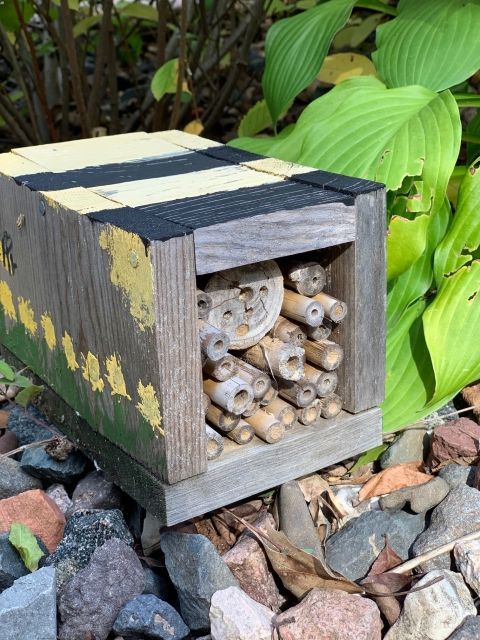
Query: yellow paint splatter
[149, 406]
[91, 372]
[49, 330]
[6, 300]
[133, 277]
[27, 315]
[67, 344]
[115, 376]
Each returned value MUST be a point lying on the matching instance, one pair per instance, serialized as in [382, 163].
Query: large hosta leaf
[452, 329]
[473, 148]
[434, 43]
[406, 241]
[295, 49]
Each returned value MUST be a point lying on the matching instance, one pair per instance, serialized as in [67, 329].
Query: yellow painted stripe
[80, 200]
[277, 167]
[189, 185]
[13, 165]
[185, 140]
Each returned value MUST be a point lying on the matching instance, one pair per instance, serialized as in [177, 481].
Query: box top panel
[169, 184]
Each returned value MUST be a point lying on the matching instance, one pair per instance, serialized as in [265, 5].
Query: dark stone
[8, 442]
[156, 585]
[352, 550]
[295, 519]
[409, 447]
[456, 474]
[92, 600]
[14, 480]
[84, 532]
[95, 491]
[148, 617]
[197, 571]
[421, 497]
[26, 430]
[11, 563]
[456, 516]
[38, 463]
[469, 630]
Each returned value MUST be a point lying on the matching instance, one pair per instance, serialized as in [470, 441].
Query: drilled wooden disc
[246, 301]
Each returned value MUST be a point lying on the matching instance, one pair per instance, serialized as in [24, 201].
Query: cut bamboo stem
[325, 381]
[310, 414]
[258, 380]
[307, 278]
[302, 309]
[251, 409]
[206, 403]
[204, 304]
[243, 433]
[331, 406]
[321, 332]
[277, 357]
[234, 395]
[289, 332]
[325, 354]
[334, 309]
[301, 393]
[215, 443]
[266, 426]
[222, 369]
[283, 412]
[271, 394]
[221, 418]
[214, 344]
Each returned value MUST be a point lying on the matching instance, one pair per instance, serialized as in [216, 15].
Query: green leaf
[165, 79]
[255, 120]
[26, 395]
[369, 456]
[22, 538]
[72, 4]
[8, 15]
[379, 5]
[6, 371]
[473, 149]
[406, 241]
[452, 327]
[86, 24]
[295, 49]
[21, 381]
[262, 144]
[433, 43]
[467, 99]
[140, 11]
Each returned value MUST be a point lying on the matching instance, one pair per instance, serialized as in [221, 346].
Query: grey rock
[38, 463]
[28, 609]
[84, 532]
[197, 572]
[11, 563]
[93, 599]
[421, 497]
[146, 616]
[295, 519]
[14, 480]
[456, 474]
[95, 491]
[59, 495]
[151, 534]
[470, 630]
[352, 550]
[456, 516]
[26, 430]
[155, 585]
[409, 447]
[441, 416]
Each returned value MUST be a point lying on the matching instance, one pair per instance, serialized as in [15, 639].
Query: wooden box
[102, 242]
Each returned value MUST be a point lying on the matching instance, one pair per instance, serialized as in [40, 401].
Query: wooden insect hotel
[208, 323]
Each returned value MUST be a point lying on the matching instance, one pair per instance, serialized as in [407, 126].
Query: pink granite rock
[459, 439]
[327, 614]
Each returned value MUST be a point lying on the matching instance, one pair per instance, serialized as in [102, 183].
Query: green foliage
[256, 120]
[140, 11]
[473, 149]
[369, 456]
[87, 23]
[7, 372]
[22, 538]
[8, 15]
[27, 394]
[165, 81]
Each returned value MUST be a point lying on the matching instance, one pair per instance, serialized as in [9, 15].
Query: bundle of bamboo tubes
[268, 364]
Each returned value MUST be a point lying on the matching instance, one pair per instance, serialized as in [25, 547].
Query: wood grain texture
[277, 167]
[12, 165]
[185, 140]
[80, 200]
[357, 275]
[336, 182]
[272, 235]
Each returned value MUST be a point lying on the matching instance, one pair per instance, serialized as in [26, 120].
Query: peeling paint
[27, 315]
[149, 406]
[115, 376]
[134, 280]
[67, 344]
[6, 300]
[49, 330]
[91, 372]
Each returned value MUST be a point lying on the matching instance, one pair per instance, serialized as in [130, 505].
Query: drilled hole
[202, 305]
[246, 294]
[227, 315]
[240, 400]
[263, 291]
[242, 330]
[314, 313]
[307, 396]
[218, 345]
[292, 364]
[260, 385]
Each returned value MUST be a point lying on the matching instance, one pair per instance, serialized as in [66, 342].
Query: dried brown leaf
[388, 580]
[387, 559]
[388, 605]
[314, 486]
[398, 476]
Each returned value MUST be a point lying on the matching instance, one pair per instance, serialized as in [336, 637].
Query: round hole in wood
[226, 366]
[293, 364]
[314, 313]
[227, 315]
[307, 396]
[212, 446]
[246, 294]
[240, 399]
[260, 386]
[310, 414]
[202, 305]
[242, 330]
[263, 291]
[218, 345]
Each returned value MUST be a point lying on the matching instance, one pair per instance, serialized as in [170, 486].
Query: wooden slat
[277, 167]
[185, 140]
[13, 165]
[79, 199]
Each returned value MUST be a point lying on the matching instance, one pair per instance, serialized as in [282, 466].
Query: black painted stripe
[121, 172]
[230, 154]
[146, 225]
[337, 182]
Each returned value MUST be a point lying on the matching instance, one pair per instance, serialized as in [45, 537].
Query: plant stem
[181, 66]
[25, 447]
[468, 137]
[467, 99]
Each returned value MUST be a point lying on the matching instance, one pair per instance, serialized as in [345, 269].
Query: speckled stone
[14, 480]
[95, 491]
[456, 474]
[469, 630]
[409, 447]
[148, 617]
[26, 430]
[421, 498]
[467, 560]
[38, 463]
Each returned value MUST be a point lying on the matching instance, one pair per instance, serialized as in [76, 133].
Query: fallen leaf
[3, 419]
[313, 486]
[389, 605]
[471, 395]
[22, 538]
[398, 476]
[205, 528]
[194, 127]
[229, 528]
[341, 66]
[387, 559]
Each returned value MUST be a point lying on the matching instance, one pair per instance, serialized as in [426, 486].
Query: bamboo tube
[215, 443]
[251, 409]
[266, 426]
[222, 369]
[302, 309]
[271, 394]
[310, 414]
[289, 332]
[204, 304]
[325, 353]
[222, 419]
[277, 357]
[325, 381]
[258, 380]
[301, 393]
[206, 403]
[331, 406]
[334, 309]
[283, 412]
[321, 332]
[234, 395]
[307, 278]
[213, 343]
[242, 434]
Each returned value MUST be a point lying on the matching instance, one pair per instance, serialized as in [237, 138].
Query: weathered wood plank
[185, 140]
